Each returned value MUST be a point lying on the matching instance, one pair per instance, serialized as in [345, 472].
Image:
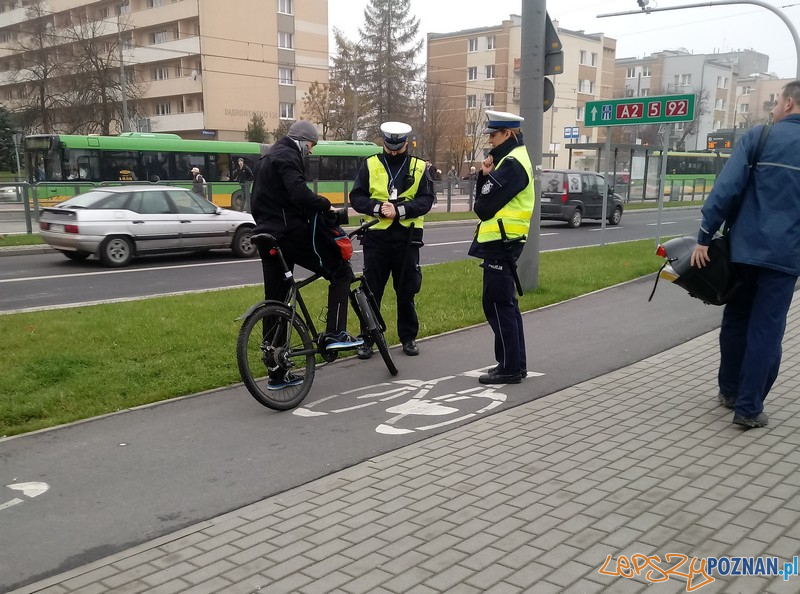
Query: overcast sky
[699, 30]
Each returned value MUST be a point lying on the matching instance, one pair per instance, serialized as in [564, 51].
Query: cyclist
[285, 207]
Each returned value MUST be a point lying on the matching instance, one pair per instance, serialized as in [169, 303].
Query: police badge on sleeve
[487, 187]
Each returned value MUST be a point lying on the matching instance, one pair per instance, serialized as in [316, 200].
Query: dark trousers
[328, 262]
[502, 312]
[403, 264]
[750, 337]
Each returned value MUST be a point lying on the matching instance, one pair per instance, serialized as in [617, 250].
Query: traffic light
[553, 54]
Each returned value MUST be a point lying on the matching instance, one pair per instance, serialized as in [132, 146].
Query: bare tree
[321, 108]
[38, 69]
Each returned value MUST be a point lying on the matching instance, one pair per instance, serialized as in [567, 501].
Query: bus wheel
[116, 251]
[237, 201]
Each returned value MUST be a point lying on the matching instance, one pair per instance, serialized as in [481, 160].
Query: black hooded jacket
[282, 203]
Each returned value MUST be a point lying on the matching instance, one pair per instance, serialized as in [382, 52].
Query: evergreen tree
[8, 159]
[282, 129]
[256, 129]
[390, 44]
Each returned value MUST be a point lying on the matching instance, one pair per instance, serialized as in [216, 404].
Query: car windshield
[92, 199]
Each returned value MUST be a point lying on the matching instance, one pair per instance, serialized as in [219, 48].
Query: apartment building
[713, 77]
[203, 67]
[473, 70]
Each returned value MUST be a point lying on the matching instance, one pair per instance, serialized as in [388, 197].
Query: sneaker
[760, 420]
[365, 351]
[726, 401]
[288, 379]
[340, 341]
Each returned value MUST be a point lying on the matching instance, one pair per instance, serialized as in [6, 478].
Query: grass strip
[69, 364]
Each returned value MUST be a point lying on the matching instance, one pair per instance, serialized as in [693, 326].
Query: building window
[473, 45]
[717, 124]
[285, 6]
[722, 82]
[472, 101]
[285, 76]
[644, 92]
[580, 113]
[161, 73]
[594, 58]
[631, 72]
[154, 3]
[490, 71]
[285, 40]
[490, 43]
[286, 111]
[630, 91]
[720, 104]
[488, 99]
[160, 37]
[586, 86]
[686, 79]
[646, 71]
[163, 109]
[472, 73]
[744, 108]
[583, 57]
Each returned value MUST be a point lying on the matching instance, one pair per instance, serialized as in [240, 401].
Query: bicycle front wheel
[276, 360]
[370, 321]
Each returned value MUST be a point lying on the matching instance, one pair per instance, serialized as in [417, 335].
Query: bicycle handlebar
[362, 228]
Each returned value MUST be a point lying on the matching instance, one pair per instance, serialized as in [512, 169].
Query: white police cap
[395, 135]
[498, 120]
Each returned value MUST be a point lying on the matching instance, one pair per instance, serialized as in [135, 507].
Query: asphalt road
[47, 280]
[112, 482]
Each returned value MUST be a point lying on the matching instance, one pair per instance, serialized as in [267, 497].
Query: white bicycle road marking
[30, 490]
[419, 402]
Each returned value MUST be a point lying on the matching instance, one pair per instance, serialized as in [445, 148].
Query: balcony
[170, 50]
[185, 85]
[177, 122]
[166, 13]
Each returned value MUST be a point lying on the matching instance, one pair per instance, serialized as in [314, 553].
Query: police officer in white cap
[394, 187]
[504, 197]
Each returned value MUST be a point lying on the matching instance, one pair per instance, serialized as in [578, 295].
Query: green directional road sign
[640, 110]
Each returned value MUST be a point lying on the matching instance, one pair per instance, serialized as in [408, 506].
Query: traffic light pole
[531, 94]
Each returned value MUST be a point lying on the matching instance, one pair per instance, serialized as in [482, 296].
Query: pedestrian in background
[765, 246]
[198, 183]
[504, 198]
[395, 187]
[242, 173]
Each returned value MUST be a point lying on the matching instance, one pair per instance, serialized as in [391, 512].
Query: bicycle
[276, 337]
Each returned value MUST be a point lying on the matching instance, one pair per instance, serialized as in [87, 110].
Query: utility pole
[122, 79]
[531, 107]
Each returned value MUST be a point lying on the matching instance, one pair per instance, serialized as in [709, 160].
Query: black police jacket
[282, 202]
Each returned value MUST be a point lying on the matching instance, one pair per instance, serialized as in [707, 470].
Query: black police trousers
[501, 308]
[403, 264]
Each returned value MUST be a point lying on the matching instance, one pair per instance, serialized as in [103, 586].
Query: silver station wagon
[119, 223]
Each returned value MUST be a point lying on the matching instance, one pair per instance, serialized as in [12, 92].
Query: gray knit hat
[303, 130]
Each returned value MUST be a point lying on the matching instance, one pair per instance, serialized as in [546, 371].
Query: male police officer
[394, 187]
[504, 199]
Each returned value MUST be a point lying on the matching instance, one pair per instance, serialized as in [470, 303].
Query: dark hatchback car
[572, 196]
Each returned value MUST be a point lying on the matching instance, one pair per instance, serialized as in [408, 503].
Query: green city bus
[689, 174]
[60, 166]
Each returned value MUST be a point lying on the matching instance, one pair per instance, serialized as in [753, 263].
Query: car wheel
[241, 246]
[116, 251]
[237, 201]
[576, 219]
[77, 256]
[615, 217]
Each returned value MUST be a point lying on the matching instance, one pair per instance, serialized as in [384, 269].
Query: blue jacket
[766, 232]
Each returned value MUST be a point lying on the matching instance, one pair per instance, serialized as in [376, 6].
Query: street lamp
[122, 82]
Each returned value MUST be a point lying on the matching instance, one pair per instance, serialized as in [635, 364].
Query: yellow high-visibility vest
[379, 189]
[516, 214]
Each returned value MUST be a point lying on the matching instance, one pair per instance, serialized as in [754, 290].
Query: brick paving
[532, 499]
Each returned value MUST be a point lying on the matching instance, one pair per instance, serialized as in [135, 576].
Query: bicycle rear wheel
[278, 372]
[371, 323]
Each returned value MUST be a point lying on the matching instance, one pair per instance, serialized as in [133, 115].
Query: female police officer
[504, 196]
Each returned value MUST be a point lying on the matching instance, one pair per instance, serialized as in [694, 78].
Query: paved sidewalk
[533, 499]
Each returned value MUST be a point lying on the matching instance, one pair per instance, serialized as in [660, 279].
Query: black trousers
[502, 312]
[327, 260]
[402, 263]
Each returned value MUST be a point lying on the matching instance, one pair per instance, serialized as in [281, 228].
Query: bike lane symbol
[414, 405]
[29, 490]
